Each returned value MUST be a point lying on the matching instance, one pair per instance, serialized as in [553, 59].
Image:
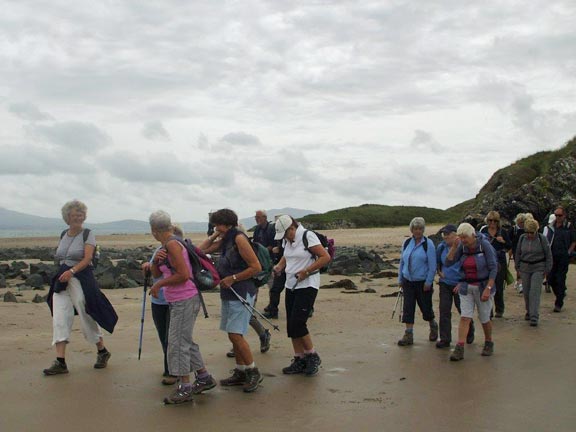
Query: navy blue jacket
[97, 305]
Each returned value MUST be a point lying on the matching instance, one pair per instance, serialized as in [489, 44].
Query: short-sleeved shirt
[299, 259]
[70, 250]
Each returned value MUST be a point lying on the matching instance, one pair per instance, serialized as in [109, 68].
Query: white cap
[282, 224]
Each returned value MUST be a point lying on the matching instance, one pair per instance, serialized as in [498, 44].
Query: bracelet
[307, 272]
[234, 277]
[72, 270]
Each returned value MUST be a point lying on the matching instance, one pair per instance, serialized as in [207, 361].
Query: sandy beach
[366, 383]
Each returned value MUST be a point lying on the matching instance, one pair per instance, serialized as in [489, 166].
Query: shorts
[468, 301]
[236, 316]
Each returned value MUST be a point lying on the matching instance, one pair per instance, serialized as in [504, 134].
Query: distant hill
[534, 184]
[296, 213]
[375, 215]
[16, 224]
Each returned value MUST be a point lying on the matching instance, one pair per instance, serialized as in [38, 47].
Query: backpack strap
[305, 242]
[62, 234]
[424, 245]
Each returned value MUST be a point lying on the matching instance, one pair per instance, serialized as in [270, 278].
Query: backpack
[95, 254]
[206, 276]
[424, 245]
[265, 262]
[326, 243]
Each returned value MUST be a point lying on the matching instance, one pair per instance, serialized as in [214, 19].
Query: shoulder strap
[62, 234]
[85, 234]
[424, 245]
[406, 243]
[305, 242]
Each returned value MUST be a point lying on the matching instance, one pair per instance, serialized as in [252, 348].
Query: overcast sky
[187, 106]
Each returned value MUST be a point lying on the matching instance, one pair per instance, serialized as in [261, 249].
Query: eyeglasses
[493, 220]
[558, 215]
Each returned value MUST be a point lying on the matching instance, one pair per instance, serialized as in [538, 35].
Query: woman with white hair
[173, 271]
[533, 260]
[415, 276]
[74, 289]
[479, 264]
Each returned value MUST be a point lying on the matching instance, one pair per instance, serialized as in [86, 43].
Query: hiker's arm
[211, 244]
[322, 260]
[180, 274]
[247, 253]
[454, 253]
[280, 266]
[88, 254]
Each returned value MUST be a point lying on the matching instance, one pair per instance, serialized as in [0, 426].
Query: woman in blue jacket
[479, 264]
[415, 276]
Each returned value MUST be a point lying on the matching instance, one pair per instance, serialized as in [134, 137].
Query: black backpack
[95, 254]
[424, 245]
[326, 243]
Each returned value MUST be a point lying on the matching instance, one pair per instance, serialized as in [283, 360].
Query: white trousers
[63, 305]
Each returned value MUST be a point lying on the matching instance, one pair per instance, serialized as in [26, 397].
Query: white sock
[251, 366]
[240, 367]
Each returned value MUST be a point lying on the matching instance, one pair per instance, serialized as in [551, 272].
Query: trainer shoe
[488, 349]
[169, 380]
[526, 316]
[265, 341]
[457, 353]
[271, 315]
[102, 360]
[557, 309]
[296, 367]
[180, 395]
[231, 353]
[202, 385]
[57, 368]
[313, 363]
[433, 336]
[471, 334]
[238, 378]
[442, 344]
[253, 380]
[534, 322]
[407, 339]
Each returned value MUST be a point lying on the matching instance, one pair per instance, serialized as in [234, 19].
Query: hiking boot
[442, 344]
[238, 378]
[499, 314]
[253, 380]
[488, 349]
[547, 288]
[231, 353]
[527, 317]
[407, 339]
[57, 368]
[471, 333]
[533, 322]
[169, 380]
[296, 367]
[265, 341]
[180, 395]
[102, 360]
[202, 385]
[457, 353]
[433, 331]
[312, 362]
[557, 309]
[270, 314]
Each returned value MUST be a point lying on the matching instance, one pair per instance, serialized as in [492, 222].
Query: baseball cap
[447, 229]
[282, 224]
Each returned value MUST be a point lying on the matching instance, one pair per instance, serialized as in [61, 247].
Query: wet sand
[366, 383]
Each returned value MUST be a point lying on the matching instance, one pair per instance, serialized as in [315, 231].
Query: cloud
[155, 131]
[34, 160]
[28, 111]
[241, 139]
[424, 141]
[72, 135]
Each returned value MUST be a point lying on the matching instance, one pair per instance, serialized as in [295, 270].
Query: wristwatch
[234, 277]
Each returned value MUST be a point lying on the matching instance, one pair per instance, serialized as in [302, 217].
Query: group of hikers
[176, 299]
[471, 265]
[472, 268]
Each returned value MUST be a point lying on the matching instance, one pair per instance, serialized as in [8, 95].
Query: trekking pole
[252, 309]
[399, 300]
[146, 276]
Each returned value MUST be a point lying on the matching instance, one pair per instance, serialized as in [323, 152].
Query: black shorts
[299, 303]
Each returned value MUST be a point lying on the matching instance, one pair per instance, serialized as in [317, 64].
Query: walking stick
[146, 277]
[399, 299]
[252, 309]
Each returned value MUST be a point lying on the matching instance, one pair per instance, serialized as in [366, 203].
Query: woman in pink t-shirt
[173, 264]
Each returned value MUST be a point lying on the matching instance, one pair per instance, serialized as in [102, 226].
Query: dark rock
[125, 282]
[39, 299]
[35, 281]
[370, 290]
[2, 281]
[385, 274]
[106, 280]
[344, 283]
[136, 275]
[10, 298]
[18, 265]
[4, 268]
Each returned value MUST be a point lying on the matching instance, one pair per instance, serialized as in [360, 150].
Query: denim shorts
[235, 316]
[468, 301]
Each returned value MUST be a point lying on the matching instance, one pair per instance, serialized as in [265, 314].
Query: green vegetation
[374, 215]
